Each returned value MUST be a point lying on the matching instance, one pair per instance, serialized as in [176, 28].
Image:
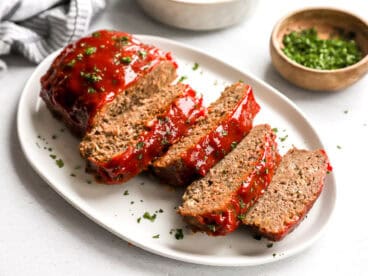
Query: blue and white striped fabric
[36, 28]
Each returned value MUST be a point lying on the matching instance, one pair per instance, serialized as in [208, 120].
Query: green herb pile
[326, 54]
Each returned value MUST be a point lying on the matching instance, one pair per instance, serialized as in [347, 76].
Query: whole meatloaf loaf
[124, 144]
[229, 119]
[216, 203]
[293, 190]
[107, 72]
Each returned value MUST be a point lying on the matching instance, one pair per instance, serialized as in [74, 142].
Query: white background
[40, 234]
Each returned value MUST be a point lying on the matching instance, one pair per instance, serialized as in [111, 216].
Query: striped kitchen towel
[36, 28]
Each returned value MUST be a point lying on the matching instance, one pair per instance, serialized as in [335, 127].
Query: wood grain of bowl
[327, 22]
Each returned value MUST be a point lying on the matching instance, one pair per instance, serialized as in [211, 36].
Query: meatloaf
[229, 119]
[123, 144]
[107, 72]
[293, 190]
[216, 203]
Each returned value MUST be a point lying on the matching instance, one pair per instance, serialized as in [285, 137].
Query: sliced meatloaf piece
[123, 144]
[107, 72]
[293, 190]
[216, 203]
[229, 120]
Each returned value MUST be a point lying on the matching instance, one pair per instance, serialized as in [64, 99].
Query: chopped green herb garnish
[195, 66]
[224, 133]
[91, 90]
[50, 149]
[59, 163]
[275, 129]
[71, 63]
[38, 145]
[140, 156]
[126, 192]
[77, 167]
[132, 202]
[164, 141]
[150, 217]
[241, 81]
[241, 203]
[269, 245]
[142, 54]
[156, 236]
[139, 220]
[282, 139]
[241, 216]
[338, 146]
[90, 50]
[53, 156]
[96, 34]
[73, 175]
[274, 255]
[234, 144]
[160, 211]
[91, 77]
[126, 60]
[179, 235]
[308, 50]
[211, 227]
[182, 78]
[79, 56]
[140, 145]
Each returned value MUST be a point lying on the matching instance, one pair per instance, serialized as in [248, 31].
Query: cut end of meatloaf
[90, 73]
[215, 193]
[292, 192]
[117, 130]
[211, 138]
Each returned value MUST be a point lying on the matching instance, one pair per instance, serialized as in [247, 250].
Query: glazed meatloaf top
[292, 192]
[215, 193]
[228, 120]
[86, 77]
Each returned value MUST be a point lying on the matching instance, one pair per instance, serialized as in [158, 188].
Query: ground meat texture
[85, 79]
[229, 119]
[125, 144]
[215, 203]
[295, 187]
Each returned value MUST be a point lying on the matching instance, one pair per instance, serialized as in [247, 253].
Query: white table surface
[41, 234]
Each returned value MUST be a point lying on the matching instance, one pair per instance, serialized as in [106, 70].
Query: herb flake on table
[282, 139]
[156, 236]
[126, 192]
[195, 66]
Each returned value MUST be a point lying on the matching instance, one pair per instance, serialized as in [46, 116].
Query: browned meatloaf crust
[292, 192]
[122, 144]
[215, 203]
[229, 119]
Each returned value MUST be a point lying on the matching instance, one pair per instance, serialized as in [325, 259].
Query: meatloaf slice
[293, 190]
[84, 80]
[229, 120]
[123, 144]
[216, 203]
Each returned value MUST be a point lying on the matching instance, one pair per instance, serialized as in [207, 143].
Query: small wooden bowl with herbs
[321, 49]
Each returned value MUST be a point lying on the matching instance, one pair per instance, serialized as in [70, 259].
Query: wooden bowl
[327, 21]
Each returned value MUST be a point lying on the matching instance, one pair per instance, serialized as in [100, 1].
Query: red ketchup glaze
[160, 134]
[216, 144]
[253, 186]
[92, 71]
